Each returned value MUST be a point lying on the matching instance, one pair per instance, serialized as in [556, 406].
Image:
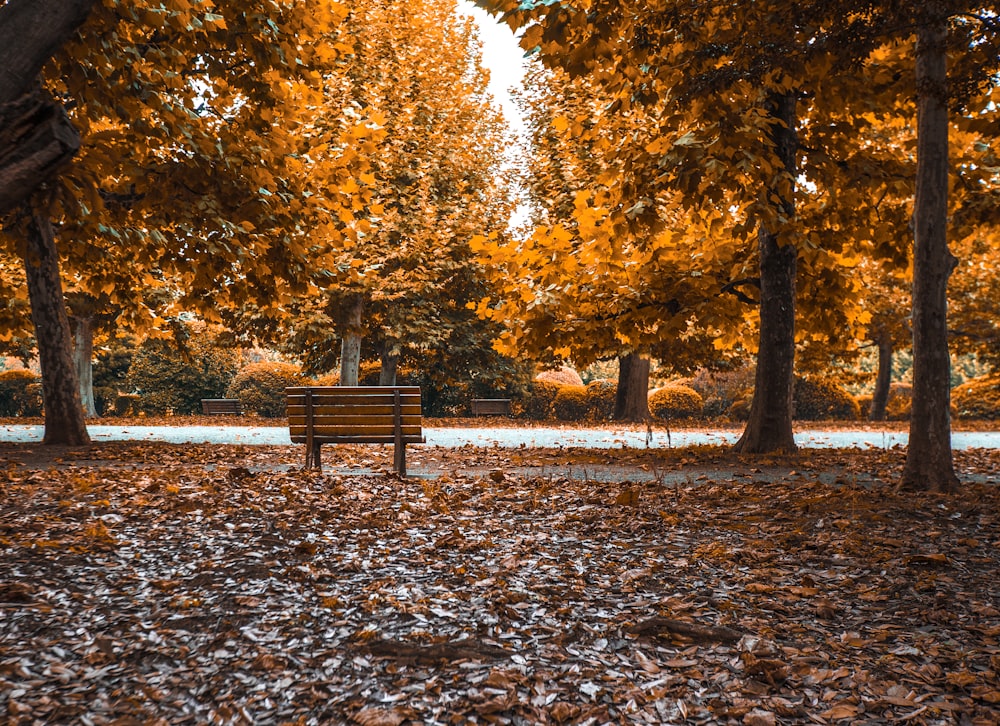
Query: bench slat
[299, 410]
[370, 429]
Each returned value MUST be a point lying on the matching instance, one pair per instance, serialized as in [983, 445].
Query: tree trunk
[64, 422]
[350, 346]
[929, 465]
[31, 31]
[36, 137]
[769, 427]
[83, 359]
[390, 366]
[883, 379]
[632, 394]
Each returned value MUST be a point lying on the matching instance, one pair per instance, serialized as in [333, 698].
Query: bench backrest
[221, 406]
[491, 407]
[354, 415]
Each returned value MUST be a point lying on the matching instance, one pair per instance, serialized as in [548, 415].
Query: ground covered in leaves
[144, 583]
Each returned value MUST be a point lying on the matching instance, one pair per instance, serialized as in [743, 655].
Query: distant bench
[491, 407]
[320, 415]
[221, 407]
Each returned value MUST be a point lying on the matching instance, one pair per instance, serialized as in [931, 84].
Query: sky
[502, 56]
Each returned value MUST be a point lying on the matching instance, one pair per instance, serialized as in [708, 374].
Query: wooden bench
[221, 407]
[491, 407]
[320, 415]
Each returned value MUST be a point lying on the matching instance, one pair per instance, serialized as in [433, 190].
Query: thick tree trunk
[350, 346]
[36, 137]
[929, 465]
[64, 422]
[632, 394]
[83, 360]
[769, 427]
[31, 31]
[390, 366]
[883, 378]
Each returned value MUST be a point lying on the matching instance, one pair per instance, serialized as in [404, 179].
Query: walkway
[592, 438]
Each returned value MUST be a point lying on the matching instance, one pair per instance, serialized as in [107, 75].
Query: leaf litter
[158, 584]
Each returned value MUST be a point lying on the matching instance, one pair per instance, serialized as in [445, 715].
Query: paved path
[595, 438]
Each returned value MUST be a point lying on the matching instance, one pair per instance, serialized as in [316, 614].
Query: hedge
[601, 399]
[571, 403]
[20, 393]
[675, 401]
[538, 404]
[816, 399]
[260, 387]
[978, 398]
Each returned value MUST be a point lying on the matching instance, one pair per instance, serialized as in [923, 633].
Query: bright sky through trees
[504, 59]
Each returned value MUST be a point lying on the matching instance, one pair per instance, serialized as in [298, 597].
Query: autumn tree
[186, 182]
[436, 179]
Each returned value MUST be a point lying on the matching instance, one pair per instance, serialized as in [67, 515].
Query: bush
[726, 393]
[900, 402]
[571, 403]
[740, 409]
[675, 401]
[20, 393]
[369, 372]
[601, 399]
[897, 408]
[110, 378]
[538, 405]
[978, 398]
[327, 379]
[564, 376]
[815, 399]
[260, 387]
[167, 379]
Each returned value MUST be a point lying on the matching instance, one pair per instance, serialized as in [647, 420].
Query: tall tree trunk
[929, 465]
[83, 360]
[64, 421]
[36, 137]
[350, 346]
[883, 378]
[769, 427]
[390, 366]
[632, 394]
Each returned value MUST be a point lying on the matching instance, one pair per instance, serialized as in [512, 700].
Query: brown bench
[221, 407]
[491, 407]
[320, 415]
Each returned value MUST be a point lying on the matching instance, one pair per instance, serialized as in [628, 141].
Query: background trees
[751, 103]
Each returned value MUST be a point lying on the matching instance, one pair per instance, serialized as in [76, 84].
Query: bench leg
[313, 460]
[399, 458]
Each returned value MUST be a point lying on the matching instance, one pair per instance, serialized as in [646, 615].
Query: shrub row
[20, 393]
[162, 379]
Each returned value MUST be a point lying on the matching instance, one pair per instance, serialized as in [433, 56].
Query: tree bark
[883, 378]
[929, 465]
[769, 427]
[632, 394]
[350, 346]
[64, 421]
[390, 366]
[83, 360]
[31, 31]
[36, 137]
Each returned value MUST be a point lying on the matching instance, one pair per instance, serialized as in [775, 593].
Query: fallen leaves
[216, 587]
